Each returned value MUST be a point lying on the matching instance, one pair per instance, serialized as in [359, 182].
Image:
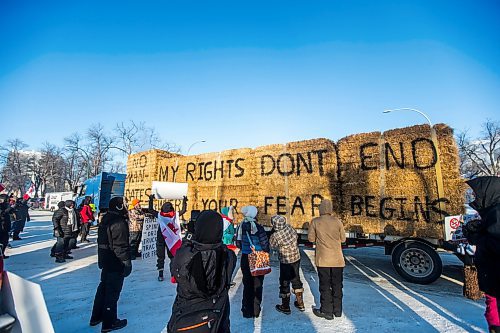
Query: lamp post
[437, 166]
[189, 149]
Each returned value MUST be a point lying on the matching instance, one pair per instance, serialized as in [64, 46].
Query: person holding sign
[168, 236]
[136, 220]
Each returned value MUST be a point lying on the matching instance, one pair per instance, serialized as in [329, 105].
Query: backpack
[208, 314]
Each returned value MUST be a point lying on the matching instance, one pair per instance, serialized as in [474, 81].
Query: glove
[151, 196]
[127, 268]
[58, 232]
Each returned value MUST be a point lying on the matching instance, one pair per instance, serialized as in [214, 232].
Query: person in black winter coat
[485, 234]
[22, 215]
[168, 210]
[66, 221]
[202, 268]
[60, 205]
[5, 222]
[113, 254]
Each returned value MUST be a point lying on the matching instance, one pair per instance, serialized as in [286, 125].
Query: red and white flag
[2, 187]
[31, 191]
[171, 231]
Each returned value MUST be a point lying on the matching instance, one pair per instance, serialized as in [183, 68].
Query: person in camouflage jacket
[136, 220]
[284, 240]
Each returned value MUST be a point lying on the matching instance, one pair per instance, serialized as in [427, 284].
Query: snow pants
[161, 247]
[330, 289]
[290, 274]
[62, 246]
[106, 298]
[85, 231]
[17, 227]
[4, 240]
[135, 240]
[252, 290]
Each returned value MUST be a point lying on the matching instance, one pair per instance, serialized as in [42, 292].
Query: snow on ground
[375, 298]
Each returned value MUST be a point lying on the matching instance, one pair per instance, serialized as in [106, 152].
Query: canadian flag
[31, 191]
[171, 231]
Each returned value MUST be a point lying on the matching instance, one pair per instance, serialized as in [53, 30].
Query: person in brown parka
[327, 231]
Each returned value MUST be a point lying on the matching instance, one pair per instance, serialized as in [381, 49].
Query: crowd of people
[202, 263]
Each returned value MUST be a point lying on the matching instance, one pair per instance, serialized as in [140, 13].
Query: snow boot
[68, 257]
[160, 275]
[60, 258]
[321, 314]
[284, 307]
[299, 301]
[118, 324]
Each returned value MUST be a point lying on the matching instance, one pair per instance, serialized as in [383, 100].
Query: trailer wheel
[417, 262]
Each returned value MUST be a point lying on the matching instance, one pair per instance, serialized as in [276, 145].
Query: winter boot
[160, 275]
[284, 307]
[60, 258]
[299, 300]
[321, 314]
[118, 324]
[68, 257]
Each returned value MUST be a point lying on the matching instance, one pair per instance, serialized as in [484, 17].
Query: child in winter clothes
[284, 239]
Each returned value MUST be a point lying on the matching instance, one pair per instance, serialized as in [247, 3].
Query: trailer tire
[417, 262]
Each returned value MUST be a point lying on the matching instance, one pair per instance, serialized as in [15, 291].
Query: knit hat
[69, 203]
[167, 207]
[278, 222]
[116, 205]
[208, 227]
[60, 204]
[135, 202]
[249, 211]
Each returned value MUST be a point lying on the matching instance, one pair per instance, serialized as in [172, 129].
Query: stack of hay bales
[359, 182]
[293, 178]
[380, 183]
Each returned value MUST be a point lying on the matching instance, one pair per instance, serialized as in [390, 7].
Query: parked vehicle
[51, 199]
[101, 188]
[36, 203]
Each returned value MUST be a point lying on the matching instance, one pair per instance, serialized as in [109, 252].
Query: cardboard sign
[169, 190]
[24, 301]
[148, 242]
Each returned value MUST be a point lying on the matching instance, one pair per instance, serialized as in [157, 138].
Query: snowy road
[375, 298]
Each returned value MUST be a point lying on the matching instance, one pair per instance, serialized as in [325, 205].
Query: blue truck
[101, 189]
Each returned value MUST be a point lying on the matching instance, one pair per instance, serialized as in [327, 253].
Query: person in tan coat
[327, 231]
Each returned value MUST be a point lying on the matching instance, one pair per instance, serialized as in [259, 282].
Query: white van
[52, 199]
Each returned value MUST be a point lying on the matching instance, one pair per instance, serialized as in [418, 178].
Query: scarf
[253, 226]
[72, 219]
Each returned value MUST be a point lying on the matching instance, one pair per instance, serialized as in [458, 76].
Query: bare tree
[52, 166]
[98, 145]
[480, 156]
[136, 136]
[77, 161]
[14, 165]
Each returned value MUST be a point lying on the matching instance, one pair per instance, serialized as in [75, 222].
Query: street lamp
[410, 109]
[437, 166]
[189, 149]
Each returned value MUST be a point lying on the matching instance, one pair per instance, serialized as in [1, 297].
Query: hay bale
[380, 183]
